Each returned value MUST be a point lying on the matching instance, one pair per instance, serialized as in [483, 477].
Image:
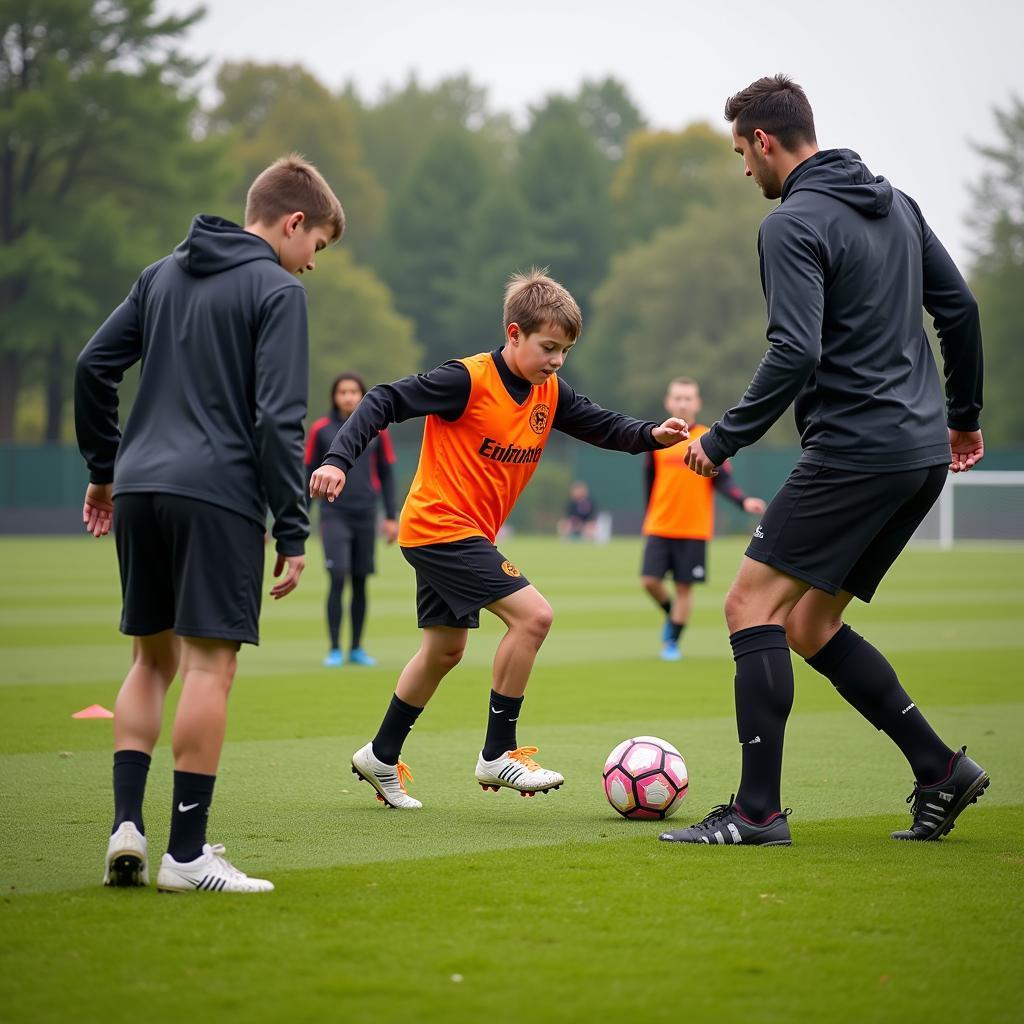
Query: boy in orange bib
[680, 518]
[488, 419]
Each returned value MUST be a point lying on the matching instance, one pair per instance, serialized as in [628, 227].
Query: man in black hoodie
[847, 262]
[214, 438]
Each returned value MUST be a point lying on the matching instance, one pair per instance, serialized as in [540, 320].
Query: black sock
[130, 770]
[864, 679]
[190, 807]
[502, 715]
[334, 609]
[357, 610]
[398, 720]
[675, 631]
[665, 606]
[764, 697]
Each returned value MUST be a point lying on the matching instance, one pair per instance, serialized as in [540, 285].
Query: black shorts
[686, 559]
[841, 530]
[189, 566]
[349, 545]
[454, 581]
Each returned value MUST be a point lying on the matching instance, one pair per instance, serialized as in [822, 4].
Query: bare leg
[441, 649]
[139, 709]
[683, 604]
[656, 588]
[528, 618]
[207, 672]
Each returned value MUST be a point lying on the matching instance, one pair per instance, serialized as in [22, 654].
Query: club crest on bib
[509, 569]
[539, 418]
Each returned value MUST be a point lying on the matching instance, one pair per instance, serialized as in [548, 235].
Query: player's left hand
[968, 449]
[326, 482]
[754, 506]
[698, 461]
[98, 510]
[671, 432]
[389, 528]
[295, 564]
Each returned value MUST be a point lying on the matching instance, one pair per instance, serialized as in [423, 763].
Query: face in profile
[347, 395]
[756, 164]
[299, 246]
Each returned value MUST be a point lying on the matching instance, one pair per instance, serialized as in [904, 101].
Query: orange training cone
[93, 711]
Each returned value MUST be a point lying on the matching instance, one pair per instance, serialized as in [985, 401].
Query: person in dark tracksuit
[847, 262]
[214, 438]
[348, 526]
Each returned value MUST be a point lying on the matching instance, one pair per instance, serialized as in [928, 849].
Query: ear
[513, 333]
[291, 225]
[763, 140]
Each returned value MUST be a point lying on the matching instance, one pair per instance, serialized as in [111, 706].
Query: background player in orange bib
[680, 518]
[488, 419]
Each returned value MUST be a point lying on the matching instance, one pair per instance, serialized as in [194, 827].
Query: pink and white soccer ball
[645, 778]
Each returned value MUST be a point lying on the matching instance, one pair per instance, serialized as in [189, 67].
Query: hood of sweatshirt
[841, 174]
[214, 244]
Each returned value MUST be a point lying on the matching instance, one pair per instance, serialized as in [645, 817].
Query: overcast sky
[909, 84]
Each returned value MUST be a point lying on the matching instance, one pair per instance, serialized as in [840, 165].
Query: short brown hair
[776, 105]
[293, 184]
[533, 299]
[683, 381]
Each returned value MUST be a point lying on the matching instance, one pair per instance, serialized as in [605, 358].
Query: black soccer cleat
[936, 807]
[726, 826]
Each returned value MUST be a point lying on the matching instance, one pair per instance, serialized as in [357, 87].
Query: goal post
[977, 505]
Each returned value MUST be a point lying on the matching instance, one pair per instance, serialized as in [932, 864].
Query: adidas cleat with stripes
[126, 858]
[211, 871]
[387, 779]
[516, 769]
[936, 807]
[726, 826]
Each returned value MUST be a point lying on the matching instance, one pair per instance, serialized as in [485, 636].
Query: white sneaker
[516, 769]
[211, 871]
[388, 779]
[126, 857]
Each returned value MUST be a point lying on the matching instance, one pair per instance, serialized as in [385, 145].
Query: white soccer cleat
[211, 871]
[388, 779]
[126, 857]
[516, 769]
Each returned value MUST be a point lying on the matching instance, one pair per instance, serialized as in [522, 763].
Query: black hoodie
[847, 262]
[220, 327]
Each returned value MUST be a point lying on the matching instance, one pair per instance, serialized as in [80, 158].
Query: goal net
[978, 505]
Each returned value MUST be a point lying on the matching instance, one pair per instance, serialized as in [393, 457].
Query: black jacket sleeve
[386, 475]
[793, 279]
[650, 471]
[444, 392]
[116, 346]
[954, 311]
[725, 484]
[577, 416]
[282, 378]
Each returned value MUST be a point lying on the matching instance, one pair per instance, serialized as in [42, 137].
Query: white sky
[908, 84]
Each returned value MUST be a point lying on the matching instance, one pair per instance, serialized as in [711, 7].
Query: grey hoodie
[847, 262]
[220, 327]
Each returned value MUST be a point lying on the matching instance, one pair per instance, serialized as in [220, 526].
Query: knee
[650, 583]
[538, 624]
[737, 605]
[447, 658]
[806, 635]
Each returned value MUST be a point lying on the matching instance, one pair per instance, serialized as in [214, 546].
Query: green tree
[271, 109]
[609, 114]
[353, 325]
[998, 275]
[97, 162]
[564, 180]
[422, 249]
[665, 174]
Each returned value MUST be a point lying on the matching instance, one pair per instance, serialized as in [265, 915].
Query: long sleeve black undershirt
[445, 390]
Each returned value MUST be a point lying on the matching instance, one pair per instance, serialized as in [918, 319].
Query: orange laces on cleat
[523, 756]
[404, 775]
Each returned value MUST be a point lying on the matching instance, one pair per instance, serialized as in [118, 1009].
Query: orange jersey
[682, 504]
[473, 469]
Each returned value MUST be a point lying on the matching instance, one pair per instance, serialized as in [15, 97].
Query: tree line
[106, 151]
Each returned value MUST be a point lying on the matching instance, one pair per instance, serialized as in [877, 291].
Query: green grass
[488, 907]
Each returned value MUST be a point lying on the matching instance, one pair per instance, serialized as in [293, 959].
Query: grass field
[488, 907]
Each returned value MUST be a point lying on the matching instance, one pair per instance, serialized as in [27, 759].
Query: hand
[389, 528]
[968, 449]
[295, 564]
[98, 510]
[755, 506]
[326, 482]
[671, 432]
[698, 461]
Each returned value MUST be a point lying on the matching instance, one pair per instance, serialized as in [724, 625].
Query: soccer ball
[645, 778]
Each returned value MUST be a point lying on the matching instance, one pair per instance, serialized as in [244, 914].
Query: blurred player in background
[680, 518]
[348, 526]
[580, 519]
